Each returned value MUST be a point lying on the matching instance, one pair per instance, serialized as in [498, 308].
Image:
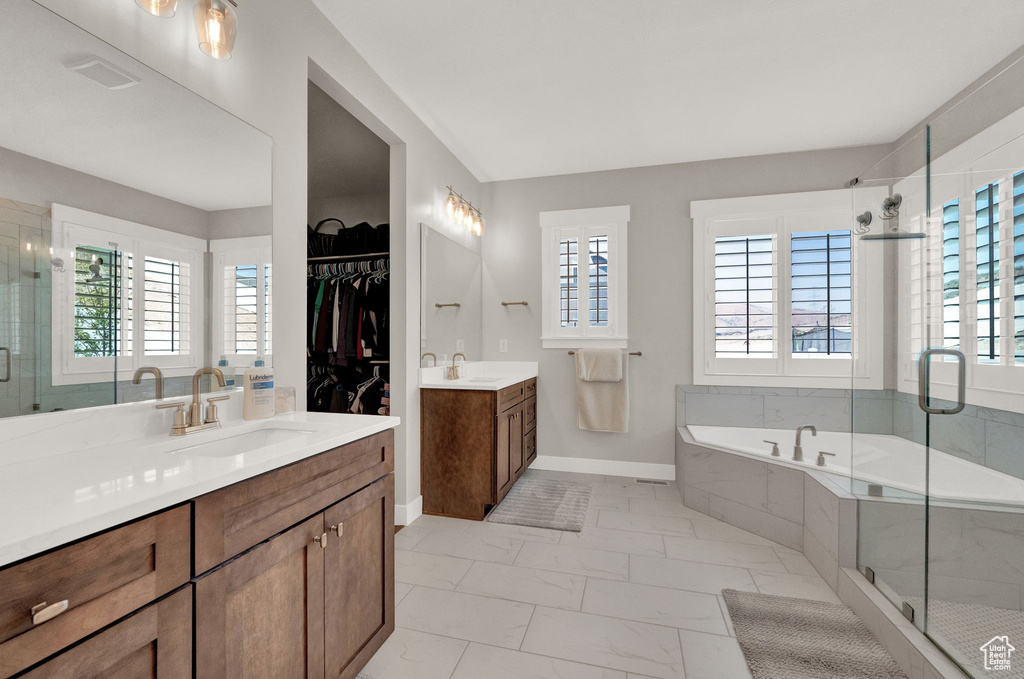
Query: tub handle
[775, 447]
[821, 457]
[924, 381]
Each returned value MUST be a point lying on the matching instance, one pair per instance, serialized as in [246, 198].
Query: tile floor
[636, 595]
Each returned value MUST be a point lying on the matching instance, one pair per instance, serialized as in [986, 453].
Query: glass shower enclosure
[941, 491]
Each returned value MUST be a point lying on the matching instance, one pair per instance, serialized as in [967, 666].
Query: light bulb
[460, 212]
[449, 205]
[467, 221]
[158, 8]
[216, 25]
[481, 224]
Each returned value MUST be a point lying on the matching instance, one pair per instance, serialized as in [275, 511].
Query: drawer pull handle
[321, 540]
[339, 529]
[43, 612]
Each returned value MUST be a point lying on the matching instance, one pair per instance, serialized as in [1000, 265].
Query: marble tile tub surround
[986, 436]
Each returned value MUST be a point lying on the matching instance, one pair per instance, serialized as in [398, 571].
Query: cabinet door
[155, 642]
[261, 616]
[503, 454]
[359, 577]
[516, 442]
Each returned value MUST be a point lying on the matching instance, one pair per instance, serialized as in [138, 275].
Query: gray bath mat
[544, 503]
[784, 638]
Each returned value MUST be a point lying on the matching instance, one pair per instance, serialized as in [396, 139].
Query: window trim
[71, 224]
[584, 224]
[234, 252]
[783, 215]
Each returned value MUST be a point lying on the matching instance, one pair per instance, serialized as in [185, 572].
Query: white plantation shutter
[243, 324]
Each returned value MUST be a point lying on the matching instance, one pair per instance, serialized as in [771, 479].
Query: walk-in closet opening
[348, 319]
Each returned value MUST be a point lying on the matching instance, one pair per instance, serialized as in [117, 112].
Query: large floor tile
[409, 654]
[435, 523]
[408, 537]
[429, 570]
[656, 605]
[624, 488]
[529, 585]
[709, 656]
[596, 563]
[688, 575]
[669, 493]
[493, 548]
[401, 589]
[628, 542]
[653, 507]
[608, 642]
[513, 532]
[465, 616]
[618, 502]
[488, 662]
[645, 523]
[797, 586]
[725, 614]
[724, 553]
[713, 529]
[795, 562]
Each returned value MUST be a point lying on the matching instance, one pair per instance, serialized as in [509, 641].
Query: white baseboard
[581, 465]
[406, 514]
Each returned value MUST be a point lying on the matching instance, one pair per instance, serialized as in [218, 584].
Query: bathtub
[889, 461]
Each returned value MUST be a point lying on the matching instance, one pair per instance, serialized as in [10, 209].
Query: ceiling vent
[104, 73]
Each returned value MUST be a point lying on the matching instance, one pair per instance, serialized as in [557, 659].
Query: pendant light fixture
[462, 212]
[158, 8]
[216, 25]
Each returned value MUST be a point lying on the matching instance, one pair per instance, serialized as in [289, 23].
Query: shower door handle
[924, 379]
[7, 364]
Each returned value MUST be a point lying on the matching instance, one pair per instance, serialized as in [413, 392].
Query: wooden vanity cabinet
[474, 446]
[292, 576]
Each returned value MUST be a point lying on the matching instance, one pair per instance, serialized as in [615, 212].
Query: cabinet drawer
[233, 519]
[510, 396]
[530, 446]
[530, 414]
[530, 390]
[101, 579]
[155, 642]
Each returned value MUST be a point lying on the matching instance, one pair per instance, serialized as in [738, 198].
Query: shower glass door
[940, 481]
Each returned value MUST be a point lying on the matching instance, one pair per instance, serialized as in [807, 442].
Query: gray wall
[241, 222]
[366, 207]
[660, 306]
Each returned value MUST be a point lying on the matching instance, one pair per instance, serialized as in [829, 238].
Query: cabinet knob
[321, 540]
[339, 529]
[43, 612]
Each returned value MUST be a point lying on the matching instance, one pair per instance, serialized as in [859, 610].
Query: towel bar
[632, 353]
[514, 304]
[454, 304]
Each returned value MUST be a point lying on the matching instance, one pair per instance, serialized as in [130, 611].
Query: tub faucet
[798, 450]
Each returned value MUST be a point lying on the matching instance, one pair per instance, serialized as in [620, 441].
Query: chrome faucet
[431, 354]
[798, 450]
[453, 370]
[157, 375]
[194, 420]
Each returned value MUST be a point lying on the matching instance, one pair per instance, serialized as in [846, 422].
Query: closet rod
[632, 353]
[370, 255]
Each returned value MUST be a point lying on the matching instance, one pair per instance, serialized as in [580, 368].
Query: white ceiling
[157, 136]
[345, 157]
[527, 88]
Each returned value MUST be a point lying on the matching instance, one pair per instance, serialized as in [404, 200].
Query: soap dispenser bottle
[258, 400]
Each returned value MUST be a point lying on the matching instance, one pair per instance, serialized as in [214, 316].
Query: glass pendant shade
[216, 25]
[467, 221]
[460, 212]
[449, 205]
[158, 8]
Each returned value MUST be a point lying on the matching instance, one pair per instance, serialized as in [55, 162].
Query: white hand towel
[603, 406]
[599, 365]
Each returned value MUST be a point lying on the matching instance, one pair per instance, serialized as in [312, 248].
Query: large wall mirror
[135, 225]
[450, 297]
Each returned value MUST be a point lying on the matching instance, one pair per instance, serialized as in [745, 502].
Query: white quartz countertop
[480, 375]
[53, 499]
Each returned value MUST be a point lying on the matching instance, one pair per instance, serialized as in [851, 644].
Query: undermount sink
[245, 442]
[484, 380]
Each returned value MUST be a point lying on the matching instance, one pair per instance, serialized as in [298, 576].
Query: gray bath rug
[784, 638]
[544, 503]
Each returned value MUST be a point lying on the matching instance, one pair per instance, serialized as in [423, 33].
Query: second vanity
[478, 435]
[263, 549]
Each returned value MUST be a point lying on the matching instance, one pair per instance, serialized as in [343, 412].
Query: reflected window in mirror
[242, 273]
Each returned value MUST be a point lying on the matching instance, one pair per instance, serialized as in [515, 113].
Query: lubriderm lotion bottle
[258, 391]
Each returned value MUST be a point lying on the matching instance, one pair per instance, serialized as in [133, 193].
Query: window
[777, 280]
[584, 284]
[131, 298]
[986, 233]
[242, 284]
[951, 275]
[1018, 267]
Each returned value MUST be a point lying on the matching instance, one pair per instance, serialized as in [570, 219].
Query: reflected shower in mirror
[450, 295]
[135, 225]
